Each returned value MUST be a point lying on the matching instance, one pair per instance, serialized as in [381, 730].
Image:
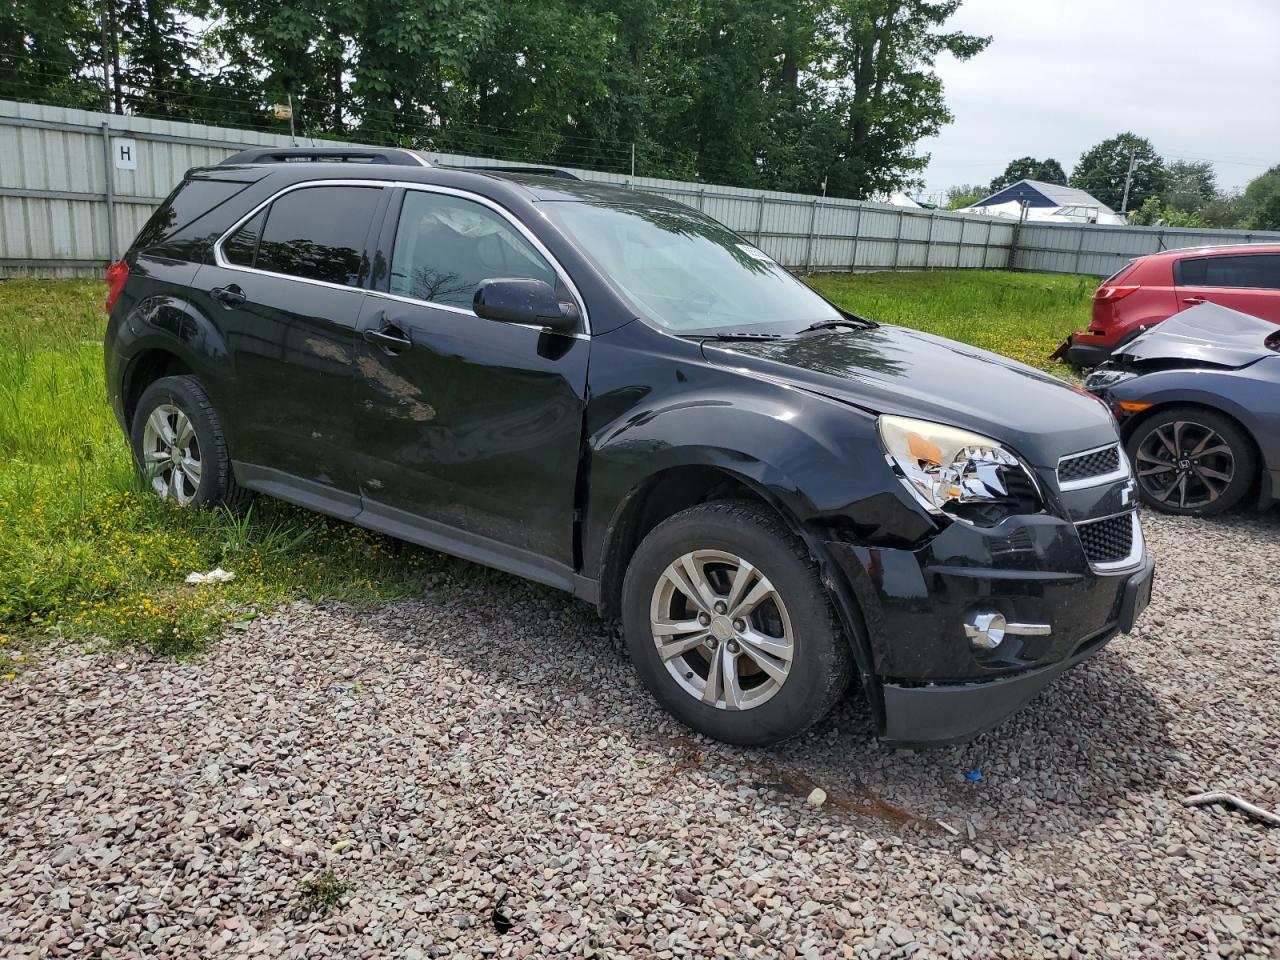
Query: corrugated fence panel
[55, 218]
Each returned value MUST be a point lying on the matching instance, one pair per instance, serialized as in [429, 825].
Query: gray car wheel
[729, 626]
[179, 446]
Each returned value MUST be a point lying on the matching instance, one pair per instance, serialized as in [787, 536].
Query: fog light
[984, 628]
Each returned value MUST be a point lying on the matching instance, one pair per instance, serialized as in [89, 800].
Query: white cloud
[1200, 80]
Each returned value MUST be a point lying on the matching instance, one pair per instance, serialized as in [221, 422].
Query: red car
[1154, 288]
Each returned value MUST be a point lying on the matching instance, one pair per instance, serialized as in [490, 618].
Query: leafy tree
[883, 89]
[1189, 184]
[1029, 168]
[1102, 170]
[1152, 214]
[1261, 201]
[965, 195]
[1267, 216]
[1223, 211]
[47, 53]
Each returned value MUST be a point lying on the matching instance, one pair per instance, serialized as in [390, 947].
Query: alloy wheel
[1185, 464]
[722, 630]
[171, 454]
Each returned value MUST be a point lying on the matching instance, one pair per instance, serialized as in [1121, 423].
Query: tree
[47, 53]
[883, 90]
[965, 195]
[1102, 169]
[1029, 168]
[1189, 184]
[788, 94]
[1153, 214]
[1222, 210]
[1260, 202]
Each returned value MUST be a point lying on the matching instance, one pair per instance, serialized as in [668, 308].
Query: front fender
[1251, 395]
[817, 460]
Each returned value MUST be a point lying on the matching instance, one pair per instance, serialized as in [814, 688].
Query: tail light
[117, 274]
[1112, 294]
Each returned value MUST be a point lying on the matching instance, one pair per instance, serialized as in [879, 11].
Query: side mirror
[524, 301]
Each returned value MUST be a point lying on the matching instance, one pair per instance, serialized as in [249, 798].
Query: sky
[1200, 80]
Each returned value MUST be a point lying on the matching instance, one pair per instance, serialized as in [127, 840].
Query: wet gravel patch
[484, 771]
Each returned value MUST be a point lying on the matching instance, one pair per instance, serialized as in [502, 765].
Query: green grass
[85, 553]
[1021, 315]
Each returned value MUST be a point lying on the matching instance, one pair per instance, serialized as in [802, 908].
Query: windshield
[687, 273]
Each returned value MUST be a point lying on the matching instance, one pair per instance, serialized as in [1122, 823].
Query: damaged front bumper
[935, 714]
[934, 685]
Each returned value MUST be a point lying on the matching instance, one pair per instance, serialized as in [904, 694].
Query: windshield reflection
[687, 273]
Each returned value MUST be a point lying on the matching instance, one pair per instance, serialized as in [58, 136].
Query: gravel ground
[442, 755]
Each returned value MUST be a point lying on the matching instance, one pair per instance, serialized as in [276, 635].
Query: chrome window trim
[497, 208]
[1123, 472]
[1136, 550]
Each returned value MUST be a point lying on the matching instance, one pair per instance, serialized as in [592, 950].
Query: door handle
[232, 296]
[1194, 300]
[390, 338]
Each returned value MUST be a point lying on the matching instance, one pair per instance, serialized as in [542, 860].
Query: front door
[467, 427]
[285, 292]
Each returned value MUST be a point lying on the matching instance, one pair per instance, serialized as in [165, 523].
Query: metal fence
[76, 186]
[1102, 250]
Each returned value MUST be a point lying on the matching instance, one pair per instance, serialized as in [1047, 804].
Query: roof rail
[541, 171]
[387, 155]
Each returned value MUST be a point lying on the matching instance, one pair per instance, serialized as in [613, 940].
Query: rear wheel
[179, 447]
[1192, 461]
[729, 626]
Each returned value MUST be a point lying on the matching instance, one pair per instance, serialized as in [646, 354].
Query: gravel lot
[490, 741]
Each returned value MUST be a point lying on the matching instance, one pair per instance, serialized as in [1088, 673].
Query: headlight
[959, 473]
[1103, 379]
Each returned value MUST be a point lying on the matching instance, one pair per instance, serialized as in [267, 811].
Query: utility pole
[1128, 181]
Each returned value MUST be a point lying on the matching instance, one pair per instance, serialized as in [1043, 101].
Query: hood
[1210, 334]
[896, 370]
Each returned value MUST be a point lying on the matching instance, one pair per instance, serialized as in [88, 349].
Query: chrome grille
[1081, 469]
[1109, 540]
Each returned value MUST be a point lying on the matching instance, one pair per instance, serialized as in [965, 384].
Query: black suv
[611, 393]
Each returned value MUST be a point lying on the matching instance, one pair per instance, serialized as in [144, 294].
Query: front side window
[1255, 270]
[445, 245]
[316, 233]
[686, 272]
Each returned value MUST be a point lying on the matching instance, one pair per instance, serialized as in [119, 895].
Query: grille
[1109, 540]
[1088, 465]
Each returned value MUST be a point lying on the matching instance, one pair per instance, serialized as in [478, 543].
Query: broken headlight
[958, 473]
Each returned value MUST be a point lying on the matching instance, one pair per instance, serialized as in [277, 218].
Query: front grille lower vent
[1109, 540]
[1086, 466]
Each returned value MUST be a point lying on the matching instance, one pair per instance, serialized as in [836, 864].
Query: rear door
[467, 428]
[286, 290]
[1248, 282]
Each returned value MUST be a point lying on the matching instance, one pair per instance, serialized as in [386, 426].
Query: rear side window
[192, 199]
[446, 245]
[316, 233]
[242, 246]
[1244, 270]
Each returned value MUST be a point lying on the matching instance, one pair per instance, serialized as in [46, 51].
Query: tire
[795, 617]
[202, 475]
[1192, 461]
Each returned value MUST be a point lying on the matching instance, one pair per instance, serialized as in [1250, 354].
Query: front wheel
[729, 626]
[1192, 461]
[179, 447]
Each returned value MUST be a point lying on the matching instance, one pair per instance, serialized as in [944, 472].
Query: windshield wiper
[856, 323]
